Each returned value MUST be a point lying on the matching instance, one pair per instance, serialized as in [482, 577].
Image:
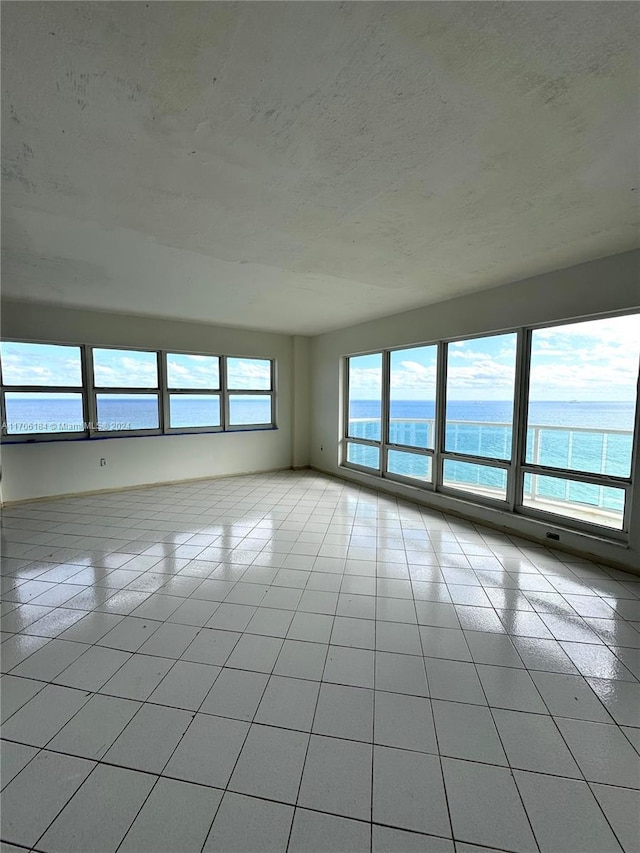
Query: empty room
[320, 464]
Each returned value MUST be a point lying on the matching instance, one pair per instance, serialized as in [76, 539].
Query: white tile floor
[289, 663]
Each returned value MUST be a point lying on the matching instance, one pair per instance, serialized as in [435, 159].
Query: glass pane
[249, 409]
[194, 410]
[127, 411]
[365, 396]
[409, 465]
[480, 389]
[120, 368]
[37, 413]
[41, 364]
[582, 395]
[583, 501]
[249, 374]
[479, 479]
[412, 396]
[192, 371]
[363, 454]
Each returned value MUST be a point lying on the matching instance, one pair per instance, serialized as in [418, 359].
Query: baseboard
[64, 495]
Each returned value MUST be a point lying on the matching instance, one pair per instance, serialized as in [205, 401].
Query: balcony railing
[593, 451]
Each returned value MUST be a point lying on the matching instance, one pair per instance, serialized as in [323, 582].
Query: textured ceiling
[302, 166]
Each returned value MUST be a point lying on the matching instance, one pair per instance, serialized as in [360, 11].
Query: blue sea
[571, 435]
[52, 413]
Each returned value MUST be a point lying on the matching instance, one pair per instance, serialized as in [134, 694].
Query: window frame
[386, 425]
[93, 390]
[30, 437]
[523, 467]
[509, 465]
[347, 439]
[516, 466]
[167, 392]
[230, 392]
[89, 390]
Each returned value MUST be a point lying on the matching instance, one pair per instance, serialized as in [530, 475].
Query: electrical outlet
[554, 536]
[321, 447]
[103, 462]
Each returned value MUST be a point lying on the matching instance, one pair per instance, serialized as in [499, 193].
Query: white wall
[67, 467]
[606, 285]
[301, 402]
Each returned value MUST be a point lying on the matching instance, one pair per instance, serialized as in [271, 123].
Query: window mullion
[485, 461]
[370, 442]
[274, 399]
[3, 408]
[440, 415]
[577, 476]
[519, 428]
[344, 423]
[163, 402]
[635, 461]
[3, 414]
[385, 407]
[224, 394]
[90, 405]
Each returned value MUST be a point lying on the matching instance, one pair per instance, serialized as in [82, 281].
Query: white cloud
[469, 354]
[125, 371]
[413, 376]
[24, 364]
[595, 360]
[248, 374]
[483, 374]
[365, 383]
[192, 371]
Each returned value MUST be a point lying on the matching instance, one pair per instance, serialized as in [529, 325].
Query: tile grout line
[355, 518]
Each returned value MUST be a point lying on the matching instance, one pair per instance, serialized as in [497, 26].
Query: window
[581, 407]
[250, 392]
[53, 391]
[557, 445]
[412, 413]
[251, 374]
[193, 382]
[43, 389]
[580, 500]
[118, 409]
[363, 455]
[364, 405]
[411, 465]
[480, 394]
[482, 480]
[412, 397]
[365, 397]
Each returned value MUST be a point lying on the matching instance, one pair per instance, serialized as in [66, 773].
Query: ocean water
[571, 435]
[52, 413]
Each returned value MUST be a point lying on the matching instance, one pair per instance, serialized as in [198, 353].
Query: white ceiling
[302, 166]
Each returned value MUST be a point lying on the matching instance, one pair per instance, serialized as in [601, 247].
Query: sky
[589, 361]
[50, 364]
[593, 361]
[192, 371]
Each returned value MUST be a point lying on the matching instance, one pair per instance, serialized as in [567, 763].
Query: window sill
[42, 439]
